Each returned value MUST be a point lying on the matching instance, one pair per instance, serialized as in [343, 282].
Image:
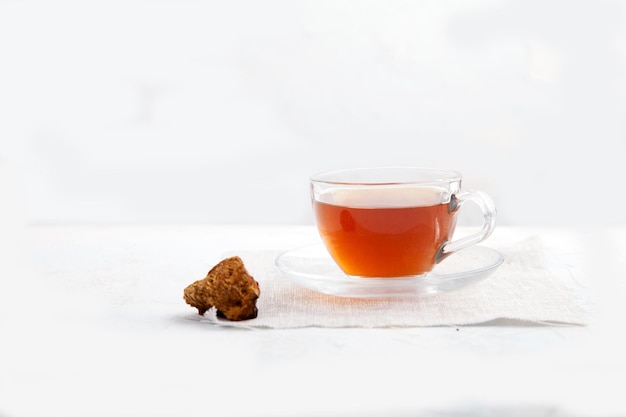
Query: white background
[219, 111]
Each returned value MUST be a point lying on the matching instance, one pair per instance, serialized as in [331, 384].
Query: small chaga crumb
[229, 288]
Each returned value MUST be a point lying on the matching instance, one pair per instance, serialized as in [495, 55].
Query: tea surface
[391, 239]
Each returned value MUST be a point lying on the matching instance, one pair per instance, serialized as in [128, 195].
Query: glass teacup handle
[488, 208]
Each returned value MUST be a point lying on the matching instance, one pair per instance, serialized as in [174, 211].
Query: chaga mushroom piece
[229, 288]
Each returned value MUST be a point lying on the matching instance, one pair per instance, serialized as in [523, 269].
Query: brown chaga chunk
[229, 288]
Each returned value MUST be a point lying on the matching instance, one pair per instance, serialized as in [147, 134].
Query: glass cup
[395, 221]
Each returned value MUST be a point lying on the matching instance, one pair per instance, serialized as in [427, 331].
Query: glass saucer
[312, 267]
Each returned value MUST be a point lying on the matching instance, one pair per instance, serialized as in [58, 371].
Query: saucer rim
[398, 283]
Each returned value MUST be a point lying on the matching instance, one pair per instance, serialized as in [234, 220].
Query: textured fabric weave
[522, 289]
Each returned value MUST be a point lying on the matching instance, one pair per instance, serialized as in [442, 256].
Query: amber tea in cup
[393, 222]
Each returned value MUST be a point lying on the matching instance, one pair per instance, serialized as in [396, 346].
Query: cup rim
[341, 176]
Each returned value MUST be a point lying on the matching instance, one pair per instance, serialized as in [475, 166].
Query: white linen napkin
[522, 289]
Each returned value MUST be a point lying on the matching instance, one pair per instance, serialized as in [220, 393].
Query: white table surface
[76, 340]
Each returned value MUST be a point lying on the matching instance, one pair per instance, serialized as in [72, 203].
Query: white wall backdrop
[218, 111]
